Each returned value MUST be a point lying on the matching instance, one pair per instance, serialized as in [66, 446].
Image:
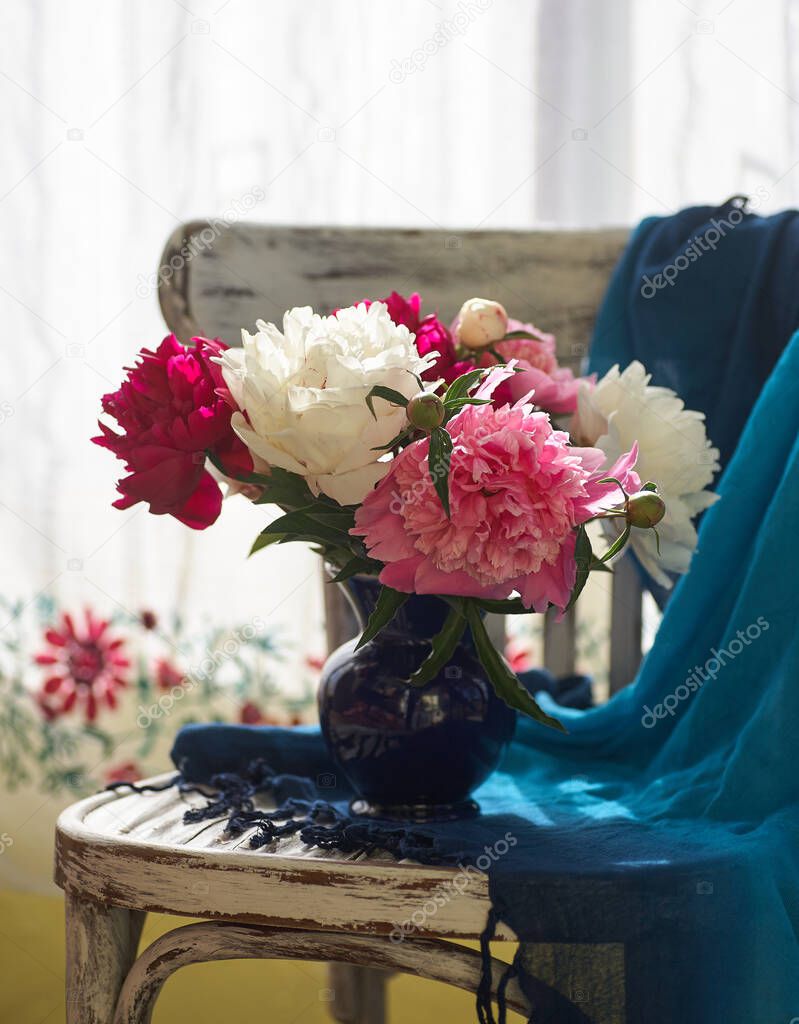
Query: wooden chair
[120, 856]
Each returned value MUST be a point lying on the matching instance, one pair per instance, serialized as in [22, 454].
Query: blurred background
[125, 119]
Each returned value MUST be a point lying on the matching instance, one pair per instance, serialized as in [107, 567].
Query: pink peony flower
[172, 408]
[517, 491]
[555, 386]
[431, 336]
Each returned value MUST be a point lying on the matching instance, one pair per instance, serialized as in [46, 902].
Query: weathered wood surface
[248, 271]
[215, 281]
[130, 851]
[101, 945]
[626, 622]
[200, 943]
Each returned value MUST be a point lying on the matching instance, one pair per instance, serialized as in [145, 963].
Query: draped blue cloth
[667, 819]
[707, 299]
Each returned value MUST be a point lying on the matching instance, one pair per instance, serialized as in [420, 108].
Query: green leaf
[505, 682]
[243, 478]
[515, 335]
[265, 540]
[613, 480]
[351, 568]
[338, 517]
[458, 403]
[388, 394]
[462, 385]
[289, 490]
[583, 556]
[388, 604]
[508, 606]
[438, 460]
[617, 544]
[102, 737]
[325, 548]
[443, 645]
[301, 521]
[404, 434]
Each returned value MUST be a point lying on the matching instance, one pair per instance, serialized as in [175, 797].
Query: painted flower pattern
[85, 666]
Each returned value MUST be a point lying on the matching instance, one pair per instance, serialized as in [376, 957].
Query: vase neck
[422, 615]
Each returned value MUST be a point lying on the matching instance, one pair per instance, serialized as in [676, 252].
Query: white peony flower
[675, 453]
[304, 394]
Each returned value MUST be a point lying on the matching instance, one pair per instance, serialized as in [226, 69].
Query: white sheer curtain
[124, 118]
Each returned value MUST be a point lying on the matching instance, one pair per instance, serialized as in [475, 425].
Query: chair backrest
[216, 278]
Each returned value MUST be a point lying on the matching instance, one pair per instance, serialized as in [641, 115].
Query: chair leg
[358, 994]
[219, 940]
[101, 947]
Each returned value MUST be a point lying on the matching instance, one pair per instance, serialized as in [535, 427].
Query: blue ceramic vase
[410, 753]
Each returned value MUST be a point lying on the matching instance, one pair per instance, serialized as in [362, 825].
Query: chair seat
[133, 850]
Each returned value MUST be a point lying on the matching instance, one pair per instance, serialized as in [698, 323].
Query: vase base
[416, 813]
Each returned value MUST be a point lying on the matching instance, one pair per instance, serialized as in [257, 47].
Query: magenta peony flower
[431, 336]
[555, 386]
[172, 408]
[517, 491]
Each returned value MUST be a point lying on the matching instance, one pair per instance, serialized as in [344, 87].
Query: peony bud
[481, 322]
[426, 411]
[645, 509]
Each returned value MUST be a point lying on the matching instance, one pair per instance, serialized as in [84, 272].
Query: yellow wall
[32, 980]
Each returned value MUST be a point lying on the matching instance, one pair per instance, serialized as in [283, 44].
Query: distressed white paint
[135, 852]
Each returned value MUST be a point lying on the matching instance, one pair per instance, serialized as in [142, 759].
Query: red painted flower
[172, 408]
[167, 675]
[86, 667]
[518, 655]
[148, 619]
[251, 714]
[128, 771]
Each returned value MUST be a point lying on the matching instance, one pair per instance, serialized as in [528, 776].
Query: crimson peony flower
[517, 491]
[172, 408]
[431, 336]
[86, 667]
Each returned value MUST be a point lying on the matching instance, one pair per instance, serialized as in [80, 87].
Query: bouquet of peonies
[422, 454]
